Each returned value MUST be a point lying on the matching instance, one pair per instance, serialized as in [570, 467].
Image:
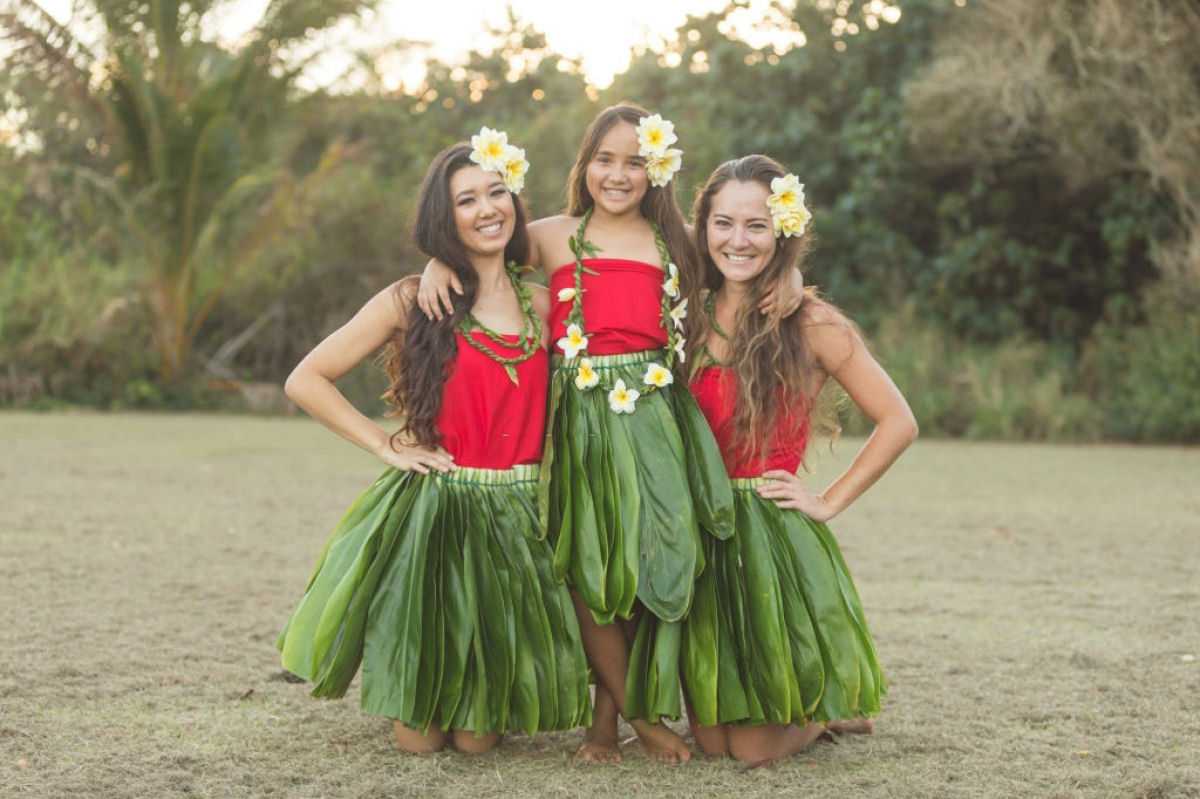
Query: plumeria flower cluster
[491, 150]
[786, 204]
[622, 398]
[655, 137]
[677, 312]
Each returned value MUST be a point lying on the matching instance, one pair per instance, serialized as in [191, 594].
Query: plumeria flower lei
[789, 217]
[655, 137]
[491, 150]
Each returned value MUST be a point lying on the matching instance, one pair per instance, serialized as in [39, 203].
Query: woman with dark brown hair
[437, 579]
[776, 647]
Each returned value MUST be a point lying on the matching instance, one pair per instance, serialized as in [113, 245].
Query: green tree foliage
[998, 187]
[195, 182]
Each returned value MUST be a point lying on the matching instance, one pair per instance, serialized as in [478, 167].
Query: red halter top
[716, 389]
[622, 305]
[486, 421]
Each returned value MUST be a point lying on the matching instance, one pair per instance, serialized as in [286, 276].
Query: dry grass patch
[1033, 605]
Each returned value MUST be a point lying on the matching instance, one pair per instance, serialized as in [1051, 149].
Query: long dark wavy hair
[658, 205]
[418, 359]
[769, 353]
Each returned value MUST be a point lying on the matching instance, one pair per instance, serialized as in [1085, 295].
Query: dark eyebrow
[611, 154]
[492, 185]
[727, 217]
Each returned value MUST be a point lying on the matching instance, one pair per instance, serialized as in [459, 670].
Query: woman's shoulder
[553, 225]
[831, 335]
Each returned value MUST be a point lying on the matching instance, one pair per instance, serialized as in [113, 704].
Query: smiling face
[616, 174]
[741, 239]
[484, 213]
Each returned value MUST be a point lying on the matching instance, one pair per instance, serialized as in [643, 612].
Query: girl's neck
[602, 219]
[491, 271]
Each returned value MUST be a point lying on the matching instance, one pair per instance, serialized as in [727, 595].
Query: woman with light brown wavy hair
[776, 648]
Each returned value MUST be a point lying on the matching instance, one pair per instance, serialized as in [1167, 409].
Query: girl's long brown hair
[419, 358]
[658, 205]
[769, 353]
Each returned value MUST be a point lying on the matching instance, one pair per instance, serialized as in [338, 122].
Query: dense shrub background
[1005, 194]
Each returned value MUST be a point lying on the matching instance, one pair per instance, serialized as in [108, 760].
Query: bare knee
[748, 751]
[466, 742]
[410, 740]
[713, 741]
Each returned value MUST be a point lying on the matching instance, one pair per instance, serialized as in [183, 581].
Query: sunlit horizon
[602, 41]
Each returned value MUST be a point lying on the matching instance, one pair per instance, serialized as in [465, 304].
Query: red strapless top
[486, 421]
[622, 305]
[716, 389]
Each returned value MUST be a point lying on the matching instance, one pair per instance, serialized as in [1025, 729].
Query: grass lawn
[1036, 609]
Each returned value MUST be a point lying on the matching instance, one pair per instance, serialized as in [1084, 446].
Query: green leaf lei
[530, 341]
[710, 310]
[581, 247]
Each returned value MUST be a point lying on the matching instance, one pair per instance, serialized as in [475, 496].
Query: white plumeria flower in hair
[573, 342]
[515, 167]
[489, 149]
[655, 135]
[661, 168]
[622, 399]
[789, 217]
[791, 223]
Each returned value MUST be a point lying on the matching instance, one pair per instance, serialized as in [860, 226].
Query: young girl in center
[776, 648]
[631, 472]
[438, 580]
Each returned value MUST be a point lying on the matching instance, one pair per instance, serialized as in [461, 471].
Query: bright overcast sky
[600, 33]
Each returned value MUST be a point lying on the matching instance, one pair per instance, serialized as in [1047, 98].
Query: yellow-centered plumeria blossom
[515, 167]
[671, 284]
[491, 150]
[655, 136]
[789, 217]
[661, 168]
[586, 377]
[488, 148]
[573, 342]
[791, 223]
[567, 294]
[658, 376]
[622, 399]
[679, 313]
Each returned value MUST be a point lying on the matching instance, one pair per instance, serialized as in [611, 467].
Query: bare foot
[598, 750]
[851, 726]
[600, 740]
[662, 743]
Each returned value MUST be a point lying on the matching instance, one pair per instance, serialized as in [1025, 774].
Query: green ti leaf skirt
[440, 586]
[777, 633]
[624, 498]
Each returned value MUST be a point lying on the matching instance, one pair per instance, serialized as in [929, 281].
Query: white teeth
[490, 228]
[738, 258]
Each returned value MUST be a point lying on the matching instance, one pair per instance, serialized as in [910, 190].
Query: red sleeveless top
[622, 305]
[716, 389]
[486, 421]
